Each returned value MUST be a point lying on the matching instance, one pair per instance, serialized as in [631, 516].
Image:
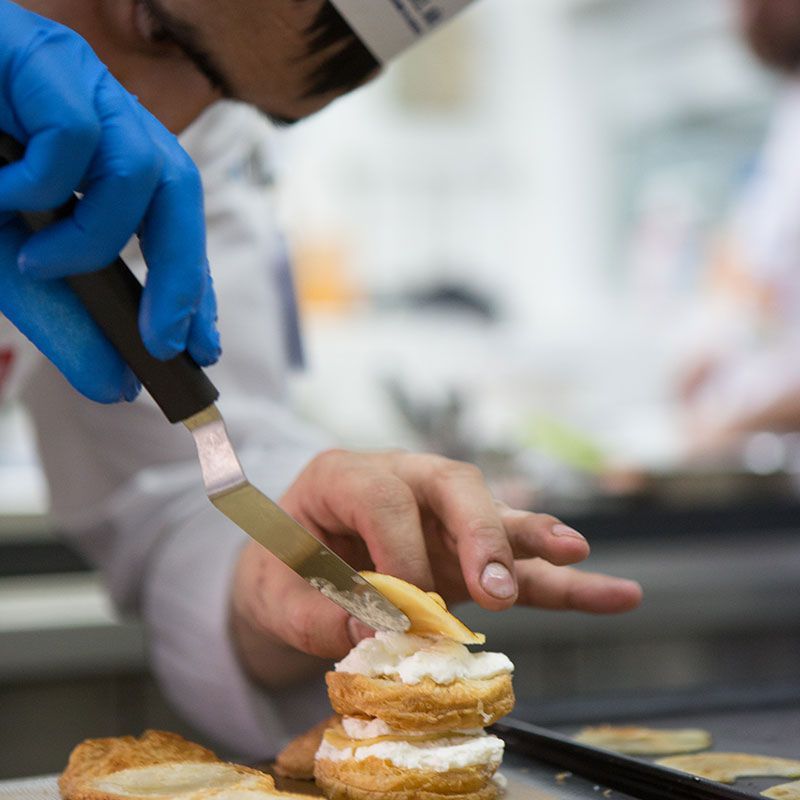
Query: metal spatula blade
[229, 490]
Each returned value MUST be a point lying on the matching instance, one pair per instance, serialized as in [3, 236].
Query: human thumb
[312, 623]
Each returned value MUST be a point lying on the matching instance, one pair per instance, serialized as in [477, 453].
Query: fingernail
[497, 581]
[564, 530]
[358, 631]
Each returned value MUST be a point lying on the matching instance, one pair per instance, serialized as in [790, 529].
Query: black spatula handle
[112, 297]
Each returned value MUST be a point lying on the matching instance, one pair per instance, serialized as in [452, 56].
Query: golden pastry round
[373, 778]
[462, 704]
[127, 768]
[96, 758]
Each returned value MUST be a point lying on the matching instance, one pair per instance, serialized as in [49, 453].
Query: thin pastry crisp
[727, 767]
[636, 740]
[427, 612]
[783, 791]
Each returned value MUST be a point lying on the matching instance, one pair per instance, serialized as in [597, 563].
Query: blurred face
[258, 51]
[772, 29]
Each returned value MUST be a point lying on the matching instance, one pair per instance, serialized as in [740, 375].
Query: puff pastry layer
[426, 705]
[377, 779]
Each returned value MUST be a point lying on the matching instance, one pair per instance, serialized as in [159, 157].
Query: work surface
[773, 729]
[524, 783]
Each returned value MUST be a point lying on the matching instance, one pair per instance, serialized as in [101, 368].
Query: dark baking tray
[760, 720]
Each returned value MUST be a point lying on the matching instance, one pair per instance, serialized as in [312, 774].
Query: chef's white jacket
[125, 485]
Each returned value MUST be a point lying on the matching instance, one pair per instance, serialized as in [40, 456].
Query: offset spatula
[185, 394]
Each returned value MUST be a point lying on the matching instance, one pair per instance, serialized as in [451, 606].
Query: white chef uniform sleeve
[186, 602]
[168, 556]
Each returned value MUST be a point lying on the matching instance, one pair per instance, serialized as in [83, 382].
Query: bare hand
[428, 520]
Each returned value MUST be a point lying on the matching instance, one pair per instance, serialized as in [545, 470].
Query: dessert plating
[414, 709]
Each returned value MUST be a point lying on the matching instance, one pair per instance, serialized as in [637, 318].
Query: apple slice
[426, 610]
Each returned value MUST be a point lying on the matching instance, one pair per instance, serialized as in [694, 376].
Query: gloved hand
[83, 132]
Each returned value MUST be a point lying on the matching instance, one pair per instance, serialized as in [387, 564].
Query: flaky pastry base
[96, 758]
[96, 764]
[426, 705]
[378, 779]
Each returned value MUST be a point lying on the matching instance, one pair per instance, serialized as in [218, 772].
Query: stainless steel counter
[59, 626]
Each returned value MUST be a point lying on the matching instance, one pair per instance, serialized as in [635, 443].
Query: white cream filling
[412, 658]
[370, 728]
[373, 728]
[439, 755]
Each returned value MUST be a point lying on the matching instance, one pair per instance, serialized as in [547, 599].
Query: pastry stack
[414, 708]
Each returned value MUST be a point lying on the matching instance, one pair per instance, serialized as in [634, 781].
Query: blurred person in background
[750, 381]
[237, 640]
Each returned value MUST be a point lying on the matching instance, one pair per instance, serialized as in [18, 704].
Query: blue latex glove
[84, 132]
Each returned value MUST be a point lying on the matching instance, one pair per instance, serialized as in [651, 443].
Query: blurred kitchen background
[513, 249]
